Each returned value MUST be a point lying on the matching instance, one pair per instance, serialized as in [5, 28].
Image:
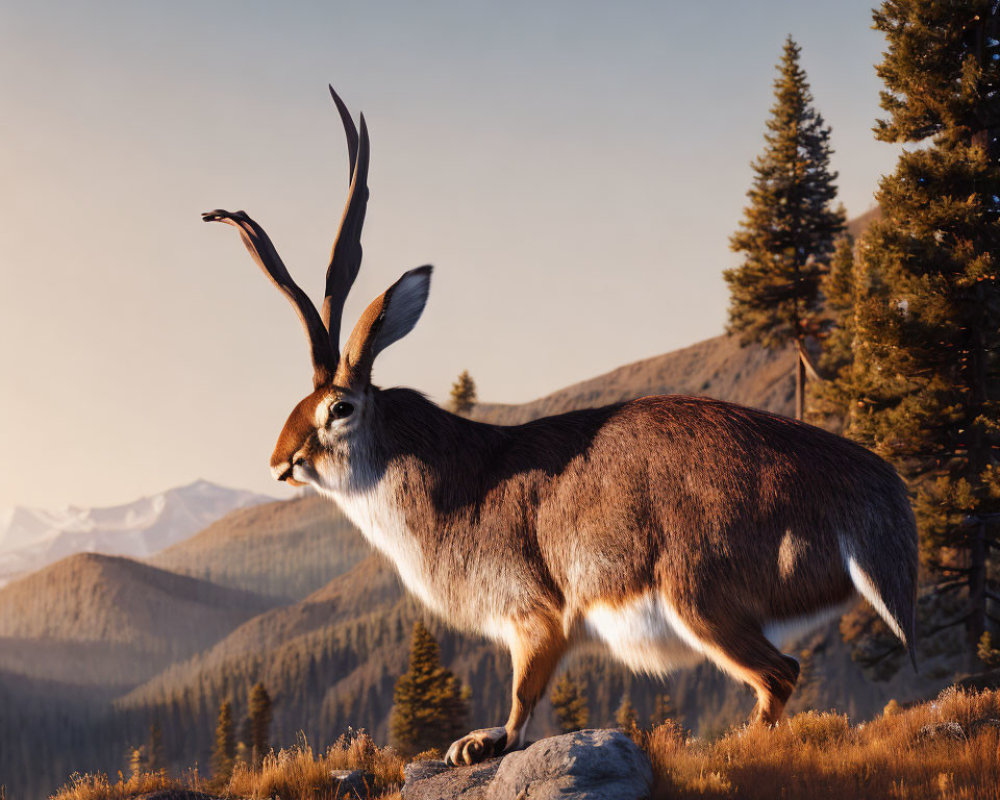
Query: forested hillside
[716, 367]
[81, 632]
[108, 621]
[284, 549]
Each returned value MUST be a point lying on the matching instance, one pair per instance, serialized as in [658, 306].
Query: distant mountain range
[280, 549]
[717, 368]
[32, 538]
[97, 620]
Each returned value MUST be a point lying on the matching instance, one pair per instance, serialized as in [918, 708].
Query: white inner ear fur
[406, 304]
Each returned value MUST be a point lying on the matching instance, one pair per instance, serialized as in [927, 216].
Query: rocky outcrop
[585, 765]
[352, 784]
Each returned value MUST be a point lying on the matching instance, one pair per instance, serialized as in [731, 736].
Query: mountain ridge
[98, 619]
[32, 538]
[719, 367]
[284, 549]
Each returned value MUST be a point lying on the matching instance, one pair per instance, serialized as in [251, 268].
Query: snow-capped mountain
[32, 538]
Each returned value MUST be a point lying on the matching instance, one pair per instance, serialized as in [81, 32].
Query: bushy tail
[883, 566]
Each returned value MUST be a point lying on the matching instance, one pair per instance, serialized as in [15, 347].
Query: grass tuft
[299, 774]
[296, 773]
[946, 748]
[99, 787]
[899, 755]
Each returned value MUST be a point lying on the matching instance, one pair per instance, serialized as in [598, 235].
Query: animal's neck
[418, 463]
[415, 435]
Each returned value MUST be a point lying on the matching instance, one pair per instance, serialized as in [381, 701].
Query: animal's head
[334, 420]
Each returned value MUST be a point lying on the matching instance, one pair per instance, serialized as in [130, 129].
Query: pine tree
[927, 342]
[137, 763]
[569, 702]
[246, 735]
[830, 400]
[260, 723]
[224, 751]
[788, 229]
[157, 760]
[463, 393]
[988, 654]
[429, 710]
[626, 715]
[243, 754]
[663, 710]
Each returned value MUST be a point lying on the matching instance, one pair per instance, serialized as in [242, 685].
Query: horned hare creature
[669, 529]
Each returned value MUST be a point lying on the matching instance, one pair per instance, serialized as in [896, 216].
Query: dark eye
[341, 409]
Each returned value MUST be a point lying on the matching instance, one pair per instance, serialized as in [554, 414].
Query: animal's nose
[283, 471]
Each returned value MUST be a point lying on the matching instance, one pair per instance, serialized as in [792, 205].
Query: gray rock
[586, 765]
[977, 726]
[937, 731]
[352, 783]
[433, 780]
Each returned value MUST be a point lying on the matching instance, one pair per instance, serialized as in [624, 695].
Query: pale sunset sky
[572, 169]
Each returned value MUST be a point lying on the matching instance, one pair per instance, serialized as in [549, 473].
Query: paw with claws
[477, 746]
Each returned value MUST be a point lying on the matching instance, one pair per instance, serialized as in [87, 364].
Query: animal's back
[719, 503]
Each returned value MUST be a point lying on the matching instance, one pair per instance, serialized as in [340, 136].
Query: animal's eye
[341, 409]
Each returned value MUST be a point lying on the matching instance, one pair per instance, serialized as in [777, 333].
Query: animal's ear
[387, 319]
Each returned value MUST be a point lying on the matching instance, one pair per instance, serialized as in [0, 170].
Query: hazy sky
[572, 169]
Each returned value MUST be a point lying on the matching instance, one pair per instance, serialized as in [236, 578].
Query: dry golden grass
[98, 787]
[299, 774]
[811, 756]
[293, 774]
[818, 755]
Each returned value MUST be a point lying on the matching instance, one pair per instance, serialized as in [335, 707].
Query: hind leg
[740, 648]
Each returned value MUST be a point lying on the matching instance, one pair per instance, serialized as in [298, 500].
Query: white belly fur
[645, 634]
[648, 636]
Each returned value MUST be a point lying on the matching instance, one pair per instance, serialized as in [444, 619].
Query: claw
[477, 746]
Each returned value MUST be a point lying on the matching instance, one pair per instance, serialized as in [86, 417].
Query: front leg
[535, 651]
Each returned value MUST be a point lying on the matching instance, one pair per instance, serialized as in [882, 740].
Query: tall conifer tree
[569, 703]
[224, 751]
[927, 342]
[663, 710]
[157, 760]
[788, 230]
[463, 393]
[626, 716]
[429, 708]
[260, 723]
[137, 761]
[831, 400]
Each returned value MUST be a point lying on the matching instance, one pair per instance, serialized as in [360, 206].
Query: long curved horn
[261, 248]
[349, 130]
[345, 260]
